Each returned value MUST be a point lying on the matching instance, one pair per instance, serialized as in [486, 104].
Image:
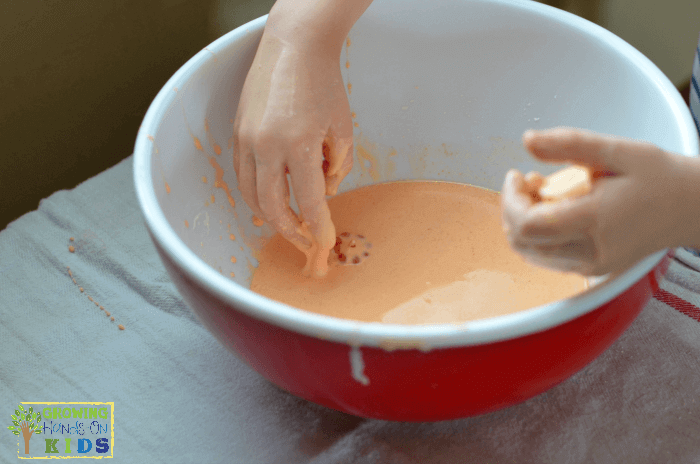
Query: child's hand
[293, 117]
[631, 212]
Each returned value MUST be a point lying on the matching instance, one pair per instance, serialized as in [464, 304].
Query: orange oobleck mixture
[418, 252]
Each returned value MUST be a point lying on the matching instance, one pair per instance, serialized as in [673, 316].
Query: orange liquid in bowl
[418, 252]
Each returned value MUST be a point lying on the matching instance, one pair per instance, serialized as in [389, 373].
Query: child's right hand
[292, 109]
[633, 210]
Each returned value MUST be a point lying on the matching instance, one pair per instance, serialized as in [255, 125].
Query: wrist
[687, 204]
[320, 26]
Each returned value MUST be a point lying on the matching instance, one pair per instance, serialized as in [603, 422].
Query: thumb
[599, 152]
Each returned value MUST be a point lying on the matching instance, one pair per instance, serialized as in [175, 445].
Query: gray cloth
[180, 397]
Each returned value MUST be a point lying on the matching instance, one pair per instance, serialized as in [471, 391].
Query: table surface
[180, 397]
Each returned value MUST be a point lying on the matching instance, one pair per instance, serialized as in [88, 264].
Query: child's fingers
[564, 144]
[554, 224]
[515, 200]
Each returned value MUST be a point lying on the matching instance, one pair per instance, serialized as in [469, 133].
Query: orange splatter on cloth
[121, 327]
[257, 222]
[81, 290]
[102, 308]
[220, 182]
[71, 248]
[107, 312]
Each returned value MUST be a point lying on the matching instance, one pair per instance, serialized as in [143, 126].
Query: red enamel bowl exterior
[412, 385]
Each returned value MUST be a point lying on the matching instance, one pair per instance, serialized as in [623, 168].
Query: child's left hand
[633, 210]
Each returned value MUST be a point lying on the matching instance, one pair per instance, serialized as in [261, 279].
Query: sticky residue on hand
[571, 182]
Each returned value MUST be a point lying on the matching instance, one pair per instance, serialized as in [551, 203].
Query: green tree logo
[26, 421]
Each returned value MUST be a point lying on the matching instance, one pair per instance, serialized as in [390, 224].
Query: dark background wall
[77, 76]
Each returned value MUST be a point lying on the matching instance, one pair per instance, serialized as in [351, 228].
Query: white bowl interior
[449, 87]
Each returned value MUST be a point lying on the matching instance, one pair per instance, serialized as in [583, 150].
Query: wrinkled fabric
[181, 397]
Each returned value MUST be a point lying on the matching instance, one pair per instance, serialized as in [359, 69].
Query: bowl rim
[388, 336]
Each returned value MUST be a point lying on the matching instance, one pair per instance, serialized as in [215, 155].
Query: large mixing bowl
[449, 87]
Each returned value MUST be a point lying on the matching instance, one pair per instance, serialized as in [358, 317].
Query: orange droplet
[204, 179]
[167, 188]
[212, 198]
[102, 308]
[96, 303]
[220, 182]
[111, 318]
[232, 237]
[349, 87]
[233, 259]
[74, 281]
[71, 248]
[357, 125]
[353, 114]
[347, 64]
[217, 150]
[70, 273]
[81, 290]
[187, 224]
[107, 312]
[221, 237]
[233, 275]
[257, 222]
[72, 239]
[121, 327]
[90, 298]
[198, 144]
[348, 42]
